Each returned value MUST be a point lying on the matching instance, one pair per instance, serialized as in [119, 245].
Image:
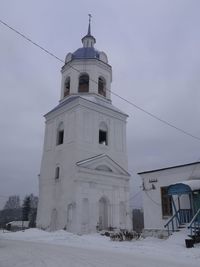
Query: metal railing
[194, 225]
[181, 216]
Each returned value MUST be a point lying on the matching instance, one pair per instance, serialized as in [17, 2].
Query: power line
[157, 118]
[115, 94]
[155, 202]
[29, 40]
[135, 195]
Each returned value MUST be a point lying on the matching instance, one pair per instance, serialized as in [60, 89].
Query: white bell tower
[84, 182]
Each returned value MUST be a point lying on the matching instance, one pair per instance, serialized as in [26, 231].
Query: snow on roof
[94, 99]
[193, 184]
[184, 187]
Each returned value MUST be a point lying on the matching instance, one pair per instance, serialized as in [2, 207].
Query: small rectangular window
[103, 137]
[166, 202]
[60, 137]
[57, 174]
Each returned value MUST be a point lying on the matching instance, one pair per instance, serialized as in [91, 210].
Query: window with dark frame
[60, 137]
[60, 134]
[57, 173]
[103, 137]
[166, 202]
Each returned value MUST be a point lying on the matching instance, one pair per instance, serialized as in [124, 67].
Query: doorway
[103, 213]
[53, 224]
[196, 200]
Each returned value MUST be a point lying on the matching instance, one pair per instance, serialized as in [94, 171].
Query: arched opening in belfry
[67, 87]
[83, 86]
[103, 213]
[102, 86]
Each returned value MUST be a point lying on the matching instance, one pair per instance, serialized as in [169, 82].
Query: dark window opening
[60, 137]
[67, 87]
[101, 86]
[57, 173]
[103, 137]
[166, 201]
[83, 83]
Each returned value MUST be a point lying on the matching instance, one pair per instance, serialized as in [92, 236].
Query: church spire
[88, 40]
[89, 25]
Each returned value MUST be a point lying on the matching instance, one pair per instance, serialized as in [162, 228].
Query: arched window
[71, 212]
[122, 214]
[104, 211]
[103, 134]
[57, 173]
[53, 223]
[102, 86]
[83, 86]
[67, 87]
[85, 213]
[103, 168]
[60, 134]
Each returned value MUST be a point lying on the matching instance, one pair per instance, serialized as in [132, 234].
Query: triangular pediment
[102, 163]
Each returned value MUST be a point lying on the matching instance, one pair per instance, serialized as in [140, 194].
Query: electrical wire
[115, 94]
[158, 204]
[135, 195]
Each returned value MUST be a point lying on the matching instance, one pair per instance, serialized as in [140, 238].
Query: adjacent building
[171, 197]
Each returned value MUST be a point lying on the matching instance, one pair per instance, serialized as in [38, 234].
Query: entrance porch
[185, 198]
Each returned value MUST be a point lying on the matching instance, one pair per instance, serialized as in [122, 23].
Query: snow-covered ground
[39, 248]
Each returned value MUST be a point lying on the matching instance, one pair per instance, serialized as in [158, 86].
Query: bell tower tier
[86, 71]
[84, 182]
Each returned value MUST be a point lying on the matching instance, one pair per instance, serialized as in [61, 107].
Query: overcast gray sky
[153, 47]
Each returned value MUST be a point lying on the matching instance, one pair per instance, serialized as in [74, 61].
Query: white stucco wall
[81, 119]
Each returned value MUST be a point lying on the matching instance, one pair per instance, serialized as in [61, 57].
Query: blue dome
[85, 52]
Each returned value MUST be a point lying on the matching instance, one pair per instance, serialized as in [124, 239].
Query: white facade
[153, 181]
[83, 182]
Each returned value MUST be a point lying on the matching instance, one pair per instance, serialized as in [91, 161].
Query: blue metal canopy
[184, 187]
[179, 189]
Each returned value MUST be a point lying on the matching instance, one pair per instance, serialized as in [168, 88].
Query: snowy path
[15, 253]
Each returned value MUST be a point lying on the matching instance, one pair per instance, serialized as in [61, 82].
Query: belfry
[83, 181]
